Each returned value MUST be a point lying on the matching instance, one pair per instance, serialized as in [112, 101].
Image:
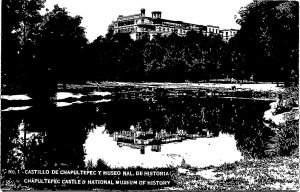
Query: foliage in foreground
[285, 140]
[277, 173]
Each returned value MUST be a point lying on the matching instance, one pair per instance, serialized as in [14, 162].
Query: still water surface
[72, 135]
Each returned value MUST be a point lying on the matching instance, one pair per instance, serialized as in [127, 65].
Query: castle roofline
[180, 22]
[122, 16]
[212, 26]
[229, 30]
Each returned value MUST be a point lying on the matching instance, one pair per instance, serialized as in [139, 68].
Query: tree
[20, 23]
[95, 56]
[153, 55]
[268, 39]
[115, 57]
[61, 45]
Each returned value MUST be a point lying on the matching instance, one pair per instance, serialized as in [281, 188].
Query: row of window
[212, 30]
[227, 33]
[130, 22]
[159, 29]
[173, 24]
[169, 27]
[165, 24]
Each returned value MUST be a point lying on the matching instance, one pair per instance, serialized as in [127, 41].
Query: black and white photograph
[149, 95]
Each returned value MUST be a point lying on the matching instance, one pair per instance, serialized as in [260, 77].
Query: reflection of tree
[58, 140]
[100, 164]
[120, 115]
[11, 155]
[235, 116]
[250, 132]
[35, 152]
[66, 135]
[171, 114]
[61, 132]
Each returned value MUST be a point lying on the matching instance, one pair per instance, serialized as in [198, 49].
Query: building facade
[139, 25]
[228, 33]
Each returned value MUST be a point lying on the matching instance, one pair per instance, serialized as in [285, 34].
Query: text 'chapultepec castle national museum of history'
[138, 25]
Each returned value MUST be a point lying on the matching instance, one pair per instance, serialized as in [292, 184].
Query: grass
[277, 173]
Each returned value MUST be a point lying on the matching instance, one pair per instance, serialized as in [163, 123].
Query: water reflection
[199, 152]
[68, 136]
[62, 132]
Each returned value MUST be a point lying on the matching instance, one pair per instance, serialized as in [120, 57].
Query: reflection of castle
[138, 26]
[138, 139]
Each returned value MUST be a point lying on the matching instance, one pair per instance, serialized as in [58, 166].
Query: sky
[98, 14]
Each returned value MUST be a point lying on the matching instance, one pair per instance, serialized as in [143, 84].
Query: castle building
[139, 25]
[228, 33]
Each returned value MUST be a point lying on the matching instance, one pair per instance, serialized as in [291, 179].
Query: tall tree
[61, 45]
[268, 39]
[20, 23]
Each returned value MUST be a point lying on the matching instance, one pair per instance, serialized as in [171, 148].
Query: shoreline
[188, 85]
[91, 91]
[260, 86]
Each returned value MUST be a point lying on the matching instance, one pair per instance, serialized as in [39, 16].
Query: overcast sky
[98, 14]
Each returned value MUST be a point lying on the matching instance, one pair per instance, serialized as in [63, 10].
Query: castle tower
[156, 14]
[143, 12]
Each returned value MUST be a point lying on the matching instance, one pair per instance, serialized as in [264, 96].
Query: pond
[124, 132]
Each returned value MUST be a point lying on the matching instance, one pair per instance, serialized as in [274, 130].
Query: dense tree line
[42, 50]
[172, 58]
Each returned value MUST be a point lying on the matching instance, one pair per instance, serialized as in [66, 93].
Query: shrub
[289, 98]
[285, 140]
[100, 164]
